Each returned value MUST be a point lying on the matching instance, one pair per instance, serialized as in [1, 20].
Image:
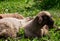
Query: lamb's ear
[38, 19]
[1, 17]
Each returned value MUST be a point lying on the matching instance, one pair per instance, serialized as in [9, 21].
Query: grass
[29, 8]
[23, 7]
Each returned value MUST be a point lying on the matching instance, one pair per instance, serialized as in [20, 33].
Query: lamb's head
[45, 17]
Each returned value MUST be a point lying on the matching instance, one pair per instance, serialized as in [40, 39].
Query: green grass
[31, 8]
[23, 7]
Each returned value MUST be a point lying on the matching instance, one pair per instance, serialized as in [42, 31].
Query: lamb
[33, 28]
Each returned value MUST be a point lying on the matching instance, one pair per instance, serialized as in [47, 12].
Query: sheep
[34, 28]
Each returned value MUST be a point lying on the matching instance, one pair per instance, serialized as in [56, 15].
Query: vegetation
[31, 8]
